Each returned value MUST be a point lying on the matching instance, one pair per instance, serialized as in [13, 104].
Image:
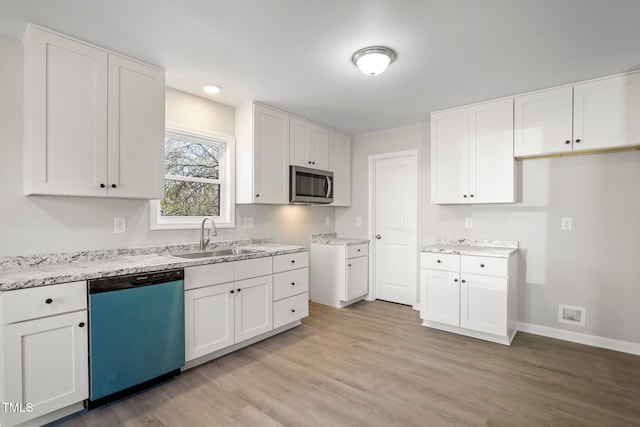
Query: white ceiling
[296, 54]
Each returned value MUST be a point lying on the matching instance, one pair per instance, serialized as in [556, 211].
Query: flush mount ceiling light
[212, 89]
[373, 60]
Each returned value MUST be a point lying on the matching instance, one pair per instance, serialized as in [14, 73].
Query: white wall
[596, 266]
[43, 224]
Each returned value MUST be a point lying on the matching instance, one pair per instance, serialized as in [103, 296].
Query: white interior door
[394, 226]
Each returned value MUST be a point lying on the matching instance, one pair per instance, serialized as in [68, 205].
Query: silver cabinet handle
[378, 236]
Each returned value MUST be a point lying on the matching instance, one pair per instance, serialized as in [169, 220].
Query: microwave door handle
[329, 185]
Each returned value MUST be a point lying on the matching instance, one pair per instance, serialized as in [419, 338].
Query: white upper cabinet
[309, 144]
[598, 115]
[262, 155]
[472, 154]
[340, 165]
[94, 121]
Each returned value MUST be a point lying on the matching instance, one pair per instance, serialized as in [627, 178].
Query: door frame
[373, 158]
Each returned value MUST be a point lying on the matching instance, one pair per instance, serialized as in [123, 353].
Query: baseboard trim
[580, 338]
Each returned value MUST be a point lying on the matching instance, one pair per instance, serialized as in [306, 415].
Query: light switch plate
[119, 225]
[566, 224]
[359, 220]
[327, 220]
[468, 222]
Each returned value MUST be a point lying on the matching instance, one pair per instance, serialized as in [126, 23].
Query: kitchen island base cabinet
[470, 295]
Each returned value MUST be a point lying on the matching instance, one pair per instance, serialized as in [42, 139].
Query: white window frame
[226, 219]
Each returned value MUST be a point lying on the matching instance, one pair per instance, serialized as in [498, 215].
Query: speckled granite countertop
[48, 269]
[492, 248]
[333, 239]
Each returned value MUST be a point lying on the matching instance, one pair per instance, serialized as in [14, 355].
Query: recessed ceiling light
[209, 88]
[373, 60]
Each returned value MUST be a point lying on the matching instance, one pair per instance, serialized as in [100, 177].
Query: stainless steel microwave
[310, 185]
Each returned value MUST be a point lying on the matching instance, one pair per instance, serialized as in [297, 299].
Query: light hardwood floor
[372, 364]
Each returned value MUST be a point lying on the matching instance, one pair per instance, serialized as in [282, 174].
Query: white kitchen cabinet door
[46, 364]
[357, 282]
[309, 144]
[450, 156]
[253, 307]
[340, 165]
[483, 303]
[491, 162]
[543, 122]
[65, 116]
[136, 130]
[606, 113]
[271, 156]
[209, 319]
[442, 298]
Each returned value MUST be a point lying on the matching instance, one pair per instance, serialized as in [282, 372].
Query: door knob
[378, 236]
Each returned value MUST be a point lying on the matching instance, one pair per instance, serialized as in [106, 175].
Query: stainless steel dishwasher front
[136, 333]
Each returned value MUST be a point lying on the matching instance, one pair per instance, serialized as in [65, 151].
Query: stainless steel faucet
[203, 242]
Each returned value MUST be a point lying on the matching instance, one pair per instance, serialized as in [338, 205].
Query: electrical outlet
[468, 222]
[119, 225]
[358, 220]
[248, 222]
[327, 220]
[572, 314]
[566, 223]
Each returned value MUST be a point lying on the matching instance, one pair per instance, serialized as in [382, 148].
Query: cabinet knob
[313, 163]
[349, 265]
[238, 289]
[482, 265]
[293, 261]
[293, 310]
[293, 283]
[102, 186]
[257, 195]
[463, 281]
[358, 250]
[471, 195]
[464, 195]
[309, 162]
[438, 261]
[577, 141]
[81, 325]
[48, 301]
[455, 280]
[113, 185]
[378, 237]
[231, 291]
[567, 142]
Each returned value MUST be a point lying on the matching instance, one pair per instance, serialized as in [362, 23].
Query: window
[198, 180]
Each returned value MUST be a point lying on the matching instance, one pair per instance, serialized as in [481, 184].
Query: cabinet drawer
[443, 262]
[290, 261]
[357, 250]
[43, 301]
[248, 268]
[206, 275]
[289, 283]
[488, 266]
[290, 309]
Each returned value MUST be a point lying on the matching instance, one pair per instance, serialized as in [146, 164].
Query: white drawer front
[488, 266]
[443, 262]
[289, 283]
[207, 275]
[290, 309]
[290, 261]
[249, 268]
[43, 301]
[357, 250]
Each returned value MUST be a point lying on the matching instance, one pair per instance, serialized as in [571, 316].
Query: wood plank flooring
[372, 364]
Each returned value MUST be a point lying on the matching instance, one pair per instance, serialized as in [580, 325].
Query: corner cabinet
[472, 154]
[45, 372]
[470, 295]
[94, 120]
[598, 115]
[262, 155]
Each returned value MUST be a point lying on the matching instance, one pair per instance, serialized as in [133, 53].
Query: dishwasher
[136, 333]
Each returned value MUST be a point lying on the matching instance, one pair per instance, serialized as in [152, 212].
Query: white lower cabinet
[339, 273]
[45, 359]
[228, 304]
[470, 295]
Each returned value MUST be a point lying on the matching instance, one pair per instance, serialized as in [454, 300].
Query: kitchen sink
[219, 252]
